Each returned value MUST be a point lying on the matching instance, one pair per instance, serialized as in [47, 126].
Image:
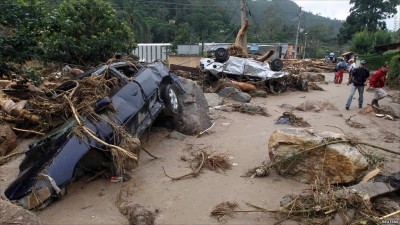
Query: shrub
[376, 61]
[393, 77]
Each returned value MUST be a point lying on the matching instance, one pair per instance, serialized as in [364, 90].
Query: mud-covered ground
[241, 136]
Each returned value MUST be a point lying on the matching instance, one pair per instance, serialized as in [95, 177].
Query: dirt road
[241, 136]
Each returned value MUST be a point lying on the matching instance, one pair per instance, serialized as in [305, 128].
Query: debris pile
[290, 118]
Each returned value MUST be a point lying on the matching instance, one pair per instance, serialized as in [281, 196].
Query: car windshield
[56, 133]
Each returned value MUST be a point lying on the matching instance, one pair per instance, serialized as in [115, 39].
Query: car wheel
[277, 86]
[221, 55]
[304, 85]
[169, 96]
[276, 65]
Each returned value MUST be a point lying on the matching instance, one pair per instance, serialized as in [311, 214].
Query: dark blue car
[54, 161]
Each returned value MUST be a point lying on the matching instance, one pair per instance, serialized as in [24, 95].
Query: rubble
[12, 214]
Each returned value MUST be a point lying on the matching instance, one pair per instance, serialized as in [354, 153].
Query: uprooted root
[321, 205]
[224, 209]
[215, 162]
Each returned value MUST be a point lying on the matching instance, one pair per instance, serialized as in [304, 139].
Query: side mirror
[102, 104]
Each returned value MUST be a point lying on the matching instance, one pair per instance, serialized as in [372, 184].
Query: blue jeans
[360, 95]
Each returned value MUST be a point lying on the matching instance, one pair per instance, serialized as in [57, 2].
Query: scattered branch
[29, 131]
[193, 174]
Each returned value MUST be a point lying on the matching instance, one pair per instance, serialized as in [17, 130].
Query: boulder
[13, 214]
[241, 97]
[8, 139]
[340, 163]
[213, 99]
[253, 109]
[235, 94]
[258, 93]
[194, 114]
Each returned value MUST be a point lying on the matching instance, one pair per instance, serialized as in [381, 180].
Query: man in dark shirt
[358, 78]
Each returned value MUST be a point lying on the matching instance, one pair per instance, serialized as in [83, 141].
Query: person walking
[358, 78]
[352, 65]
[340, 67]
[377, 82]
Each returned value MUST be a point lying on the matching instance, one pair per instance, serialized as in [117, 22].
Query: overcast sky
[338, 9]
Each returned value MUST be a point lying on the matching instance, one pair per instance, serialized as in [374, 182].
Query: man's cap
[363, 62]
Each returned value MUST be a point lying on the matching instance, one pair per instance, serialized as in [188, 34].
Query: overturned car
[244, 69]
[142, 94]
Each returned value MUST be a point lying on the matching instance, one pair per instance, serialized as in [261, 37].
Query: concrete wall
[182, 60]
[151, 52]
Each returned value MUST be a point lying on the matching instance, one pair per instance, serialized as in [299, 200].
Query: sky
[338, 9]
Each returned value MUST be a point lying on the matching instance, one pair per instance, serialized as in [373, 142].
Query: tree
[367, 14]
[86, 32]
[21, 25]
[364, 42]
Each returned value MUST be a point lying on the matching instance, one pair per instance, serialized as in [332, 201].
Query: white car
[244, 69]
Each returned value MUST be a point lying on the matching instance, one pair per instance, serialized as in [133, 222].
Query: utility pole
[297, 34]
[243, 18]
[305, 45]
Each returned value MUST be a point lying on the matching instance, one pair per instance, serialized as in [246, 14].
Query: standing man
[358, 78]
[377, 81]
[352, 65]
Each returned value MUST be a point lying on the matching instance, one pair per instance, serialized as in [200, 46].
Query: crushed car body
[64, 154]
[241, 67]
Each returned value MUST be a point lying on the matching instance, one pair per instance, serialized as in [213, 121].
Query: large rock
[8, 139]
[12, 214]
[340, 163]
[213, 99]
[194, 115]
[235, 94]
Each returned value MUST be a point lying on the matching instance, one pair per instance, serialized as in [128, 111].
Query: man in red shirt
[377, 81]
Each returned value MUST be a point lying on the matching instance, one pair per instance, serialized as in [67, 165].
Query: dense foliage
[21, 24]
[393, 78]
[85, 32]
[367, 14]
[363, 42]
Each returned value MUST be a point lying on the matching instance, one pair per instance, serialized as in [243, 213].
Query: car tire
[221, 55]
[277, 86]
[170, 99]
[304, 85]
[276, 65]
